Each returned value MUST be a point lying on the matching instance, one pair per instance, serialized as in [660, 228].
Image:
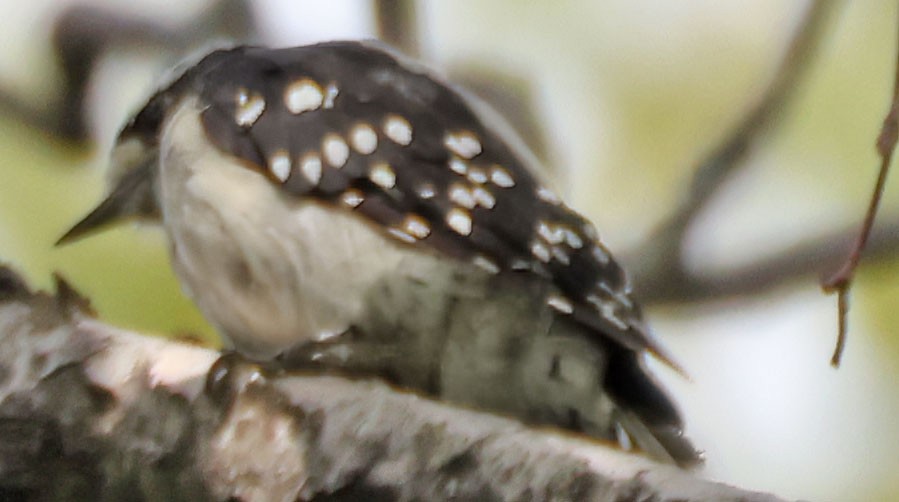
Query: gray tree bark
[92, 412]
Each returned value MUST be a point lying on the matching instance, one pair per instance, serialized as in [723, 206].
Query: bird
[339, 204]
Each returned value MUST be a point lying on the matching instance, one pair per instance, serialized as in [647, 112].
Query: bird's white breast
[269, 270]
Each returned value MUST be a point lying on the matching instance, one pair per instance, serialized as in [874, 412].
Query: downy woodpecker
[342, 205]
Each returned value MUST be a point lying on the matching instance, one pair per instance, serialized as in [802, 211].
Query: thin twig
[660, 254]
[841, 281]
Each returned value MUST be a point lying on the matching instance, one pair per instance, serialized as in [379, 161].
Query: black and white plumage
[335, 201]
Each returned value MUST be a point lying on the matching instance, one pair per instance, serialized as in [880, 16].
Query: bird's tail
[646, 414]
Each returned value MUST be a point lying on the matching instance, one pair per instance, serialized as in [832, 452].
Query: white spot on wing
[486, 264]
[500, 177]
[600, 255]
[401, 235]
[519, 264]
[540, 251]
[620, 296]
[560, 255]
[249, 108]
[573, 239]
[330, 95]
[364, 139]
[611, 314]
[398, 129]
[460, 195]
[243, 97]
[483, 197]
[476, 175]
[279, 165]
[352, 197]
[426, 191]
[550, 233]
[416, 226]
[543, 230]
[302, 95]
[459, 220]
[382, 175]
[623, 298]
[463, 143]
[458, 166]
[607, 309]
[335, 150]
[311, 167]
[547, 195]
[560, 303]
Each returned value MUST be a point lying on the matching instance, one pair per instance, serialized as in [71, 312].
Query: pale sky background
[633, 92]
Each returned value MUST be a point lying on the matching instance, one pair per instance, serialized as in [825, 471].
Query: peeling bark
[92, 412]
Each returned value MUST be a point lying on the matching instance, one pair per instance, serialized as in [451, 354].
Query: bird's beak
[131, 197]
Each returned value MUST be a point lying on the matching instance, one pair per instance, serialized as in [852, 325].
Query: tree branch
[660, 256]
[805, 260]
[91, 412]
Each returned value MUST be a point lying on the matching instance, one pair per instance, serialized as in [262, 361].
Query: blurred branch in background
[83, 34]
[841, 282]
[657, 264]
[397, 23]
[805, 259]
